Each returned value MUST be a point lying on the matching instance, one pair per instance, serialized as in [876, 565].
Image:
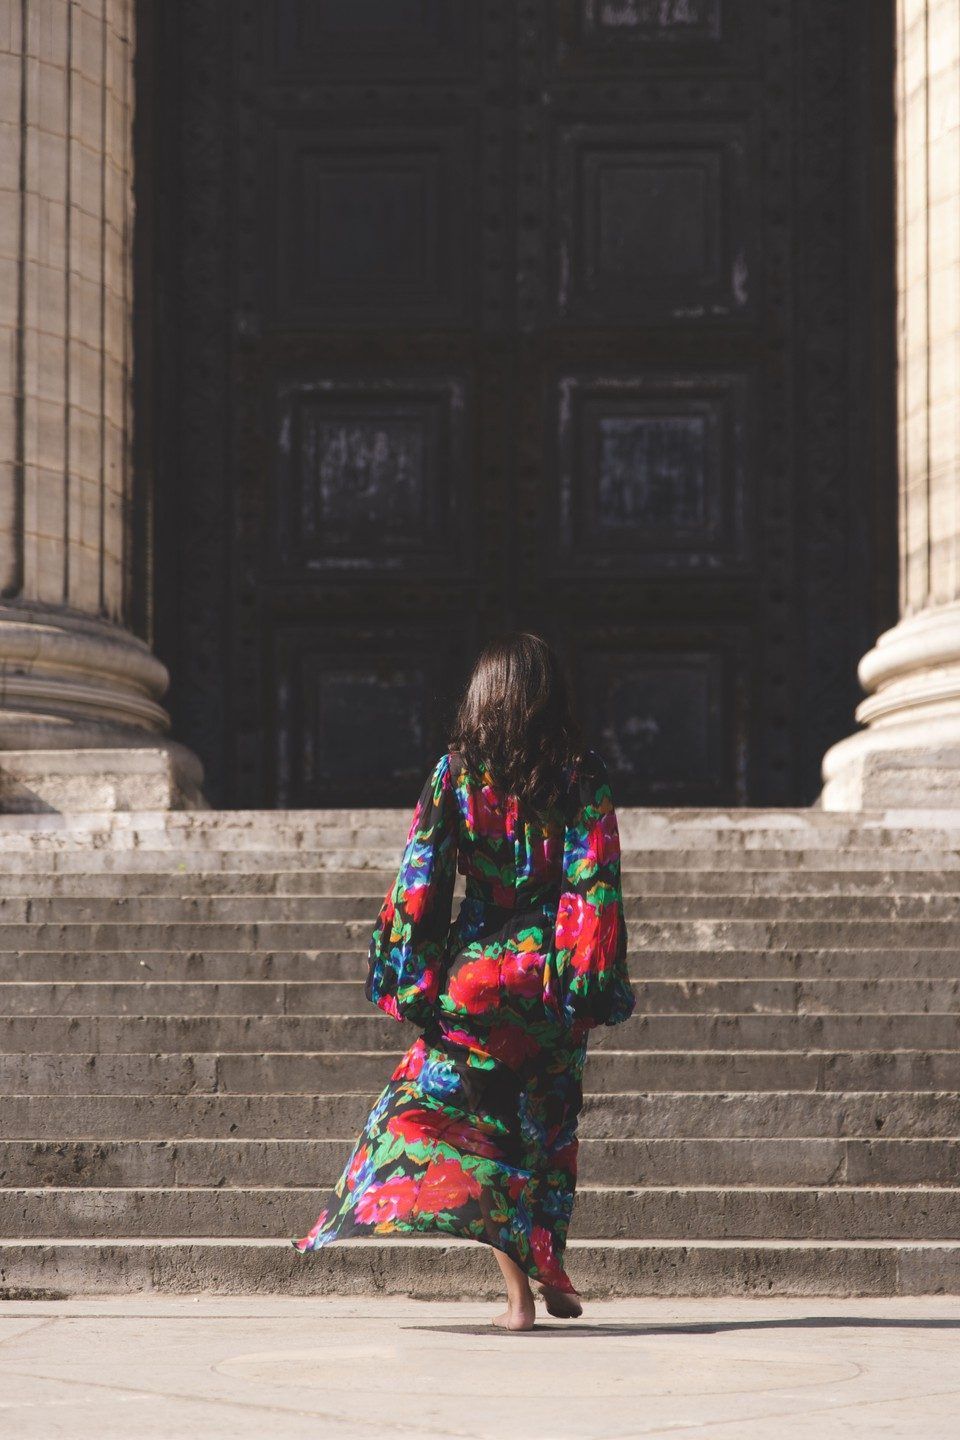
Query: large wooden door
[468, 315]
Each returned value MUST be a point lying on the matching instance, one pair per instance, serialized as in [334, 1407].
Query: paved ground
[728, 1369]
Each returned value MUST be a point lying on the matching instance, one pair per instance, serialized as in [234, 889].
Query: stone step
[361, 910]
[796, 880]
[346, 997]
[300, 829]
[266, 880]
[288, 966]
[380, 863]
[243, 829]
[326, 934]
[692, 933]
[868, 1114]
[317, 1162]
[323, 1073]
[438, 1268]
[692, 1213]
[230, 1033]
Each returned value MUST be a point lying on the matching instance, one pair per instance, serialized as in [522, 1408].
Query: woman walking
[475, 1134]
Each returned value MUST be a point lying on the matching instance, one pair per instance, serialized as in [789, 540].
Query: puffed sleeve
[406, 949]
[587, 981]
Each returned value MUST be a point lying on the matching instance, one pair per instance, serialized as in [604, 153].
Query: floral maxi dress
[475, 1133]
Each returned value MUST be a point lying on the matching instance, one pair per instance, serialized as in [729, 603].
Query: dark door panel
[565, 315]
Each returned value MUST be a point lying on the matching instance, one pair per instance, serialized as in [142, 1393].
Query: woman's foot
[520, 1314]
[563, 1304]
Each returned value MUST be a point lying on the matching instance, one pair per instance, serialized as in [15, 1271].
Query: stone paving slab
[353, 1369]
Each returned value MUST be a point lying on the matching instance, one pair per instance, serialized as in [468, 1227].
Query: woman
[475, 1134]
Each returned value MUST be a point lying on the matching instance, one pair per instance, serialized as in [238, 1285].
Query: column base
[161, 777]
[877, 771]
[908, 755]
[81, 724]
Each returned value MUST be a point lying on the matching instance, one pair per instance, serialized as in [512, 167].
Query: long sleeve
[406, 949]
[588, 980]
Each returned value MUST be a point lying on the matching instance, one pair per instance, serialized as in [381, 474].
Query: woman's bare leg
[519, 1314]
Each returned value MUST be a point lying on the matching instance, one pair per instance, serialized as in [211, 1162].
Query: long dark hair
[516, 719]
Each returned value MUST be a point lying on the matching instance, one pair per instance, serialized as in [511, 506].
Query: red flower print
[464, 1038]
[412, 1063]
[523, 973]
[356, 1165]
[511, 1045]
[605, 839]
[387, 1201]
[427, 981]
[516, 1184]
[565, 1158]
[445, 1186]
[415, 901]
[413, 1125]
[541, 1243]
[475, 985]
[469, 1137]
[489, 817]
[609, 935]
[427, 1126]
[388, 1003]
[586, 949]
[570, 918]
[307, 1240]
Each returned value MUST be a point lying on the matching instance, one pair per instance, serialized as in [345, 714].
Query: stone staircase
[186, 1057]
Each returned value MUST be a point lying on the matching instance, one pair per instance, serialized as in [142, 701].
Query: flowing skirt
[462, 1143]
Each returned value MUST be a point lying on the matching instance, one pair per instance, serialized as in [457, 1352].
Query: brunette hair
[516, 718]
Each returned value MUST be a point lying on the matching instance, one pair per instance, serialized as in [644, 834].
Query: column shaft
[73, 679]
[909, 752]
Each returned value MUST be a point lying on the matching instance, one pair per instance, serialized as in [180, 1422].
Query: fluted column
[909, 752]
[81, 723]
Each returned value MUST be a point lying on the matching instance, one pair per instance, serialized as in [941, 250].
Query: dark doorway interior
[456, 315]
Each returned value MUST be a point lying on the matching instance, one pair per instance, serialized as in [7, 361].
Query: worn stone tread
[443, 1268]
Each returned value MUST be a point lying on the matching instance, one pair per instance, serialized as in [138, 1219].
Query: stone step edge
[268, 1243]
[357, 982]
[922, 1189]
[875, 1141]
[367, 877]
[590, 1095]
[327, 1055]
[376, 896]
[707, 949]
[690, 1015]
[443, 1267]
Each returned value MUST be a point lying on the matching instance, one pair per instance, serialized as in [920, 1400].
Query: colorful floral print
[475, 1133]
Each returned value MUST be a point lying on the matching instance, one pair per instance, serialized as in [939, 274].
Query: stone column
[81, 724]
[909, 753]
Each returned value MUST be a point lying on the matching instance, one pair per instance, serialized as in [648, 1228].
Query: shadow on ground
[804, 1322]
